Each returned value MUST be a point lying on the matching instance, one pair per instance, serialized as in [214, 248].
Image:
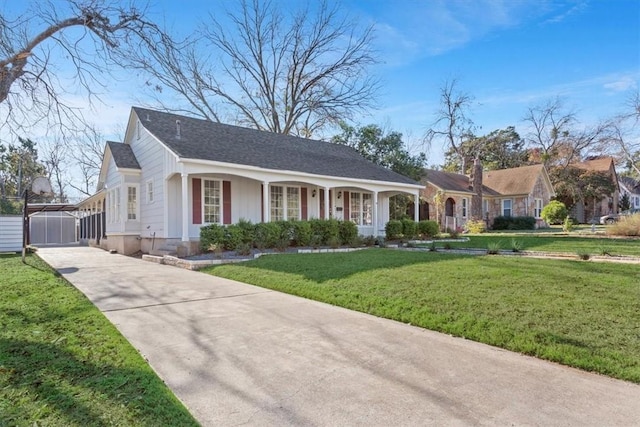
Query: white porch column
[185, 207]
[265, 201]
[376, 226]
[416, 210]
[326, 203]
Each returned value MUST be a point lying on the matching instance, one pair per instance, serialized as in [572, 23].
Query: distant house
[609, 203]
[631, 188]
[522, 191]
[173, 175]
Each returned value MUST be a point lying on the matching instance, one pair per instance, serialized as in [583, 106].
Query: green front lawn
[63, 364]
[549, 242]
[578, 313]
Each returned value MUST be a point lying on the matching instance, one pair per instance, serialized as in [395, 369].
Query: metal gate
[53, 228]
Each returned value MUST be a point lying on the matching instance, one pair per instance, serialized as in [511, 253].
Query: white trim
[136, 187]
[150, 200]
[464, 207]
[398, 186]
[537, 210]
[360, 221]
[220, 207]
[503, 208]
[285, 206]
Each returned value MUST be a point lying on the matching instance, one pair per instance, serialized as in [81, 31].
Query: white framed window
[211, 201]
[465, 207]
[635, 201]
[150, 195]
[284, 208]
[485, 208]
[507, 207]
[293, 203]
[132, 203]
[361, 208]
[113, 201]
[537, 209]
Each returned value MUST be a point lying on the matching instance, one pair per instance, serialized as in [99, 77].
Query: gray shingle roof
[631, 184]
[123, 155]
[204, 140]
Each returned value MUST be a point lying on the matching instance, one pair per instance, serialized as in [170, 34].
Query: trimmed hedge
[279, 235]
[428, 228]
[514, 223]
[409, 228]
[393, 230]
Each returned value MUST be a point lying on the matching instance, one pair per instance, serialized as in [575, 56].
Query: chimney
[476, 187]
[177, 129]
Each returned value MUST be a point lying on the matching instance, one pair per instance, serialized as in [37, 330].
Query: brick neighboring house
[609, 203]
[522, 191]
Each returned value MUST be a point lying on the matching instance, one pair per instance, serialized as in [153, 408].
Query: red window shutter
[303, 202]
[226, 202]
[321, 192]
[196, 189]
[345, 209]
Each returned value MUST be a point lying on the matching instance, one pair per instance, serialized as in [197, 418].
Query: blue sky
[508, 55]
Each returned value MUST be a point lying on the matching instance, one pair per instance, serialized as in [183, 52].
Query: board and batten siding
[10, 233]
[151, 157]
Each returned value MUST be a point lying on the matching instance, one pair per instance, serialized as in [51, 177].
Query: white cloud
[622, 84]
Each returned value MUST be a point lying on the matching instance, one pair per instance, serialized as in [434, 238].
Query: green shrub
[567, 226]
[428, 228]
[333, 242]
[493, 248]
[356, 242]
[348, 232]
[325, 229]
[516, 245]
[243, 249]
[393, 229]
[453, 233]
[233, 235]
[514, 223]
[369, 241]
[409, 228]
[266, 235]
[583, 255]
[287, 230]
[247, 228]
[211, 235]
[554, 213]
[476, 226]
[301, 233]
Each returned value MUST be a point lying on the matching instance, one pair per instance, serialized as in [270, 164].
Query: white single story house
[631, 188]
[174, 174]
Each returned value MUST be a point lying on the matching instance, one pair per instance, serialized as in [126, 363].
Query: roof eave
[297, 173]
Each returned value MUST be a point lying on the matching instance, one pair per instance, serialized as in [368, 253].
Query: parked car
[611, 218]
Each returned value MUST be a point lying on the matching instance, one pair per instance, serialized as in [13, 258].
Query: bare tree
[452, 124]
[624, 134]
[91, 37]
[55, 158]
[551, 127]
[274, 71]
[87, 151]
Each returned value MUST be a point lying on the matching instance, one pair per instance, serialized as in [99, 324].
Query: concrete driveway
[237, 354]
